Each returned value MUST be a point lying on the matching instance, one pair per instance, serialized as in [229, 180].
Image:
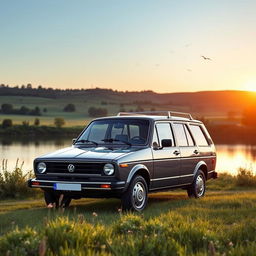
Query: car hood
[95, 153]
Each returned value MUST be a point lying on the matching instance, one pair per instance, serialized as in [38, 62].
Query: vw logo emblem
[71, 168]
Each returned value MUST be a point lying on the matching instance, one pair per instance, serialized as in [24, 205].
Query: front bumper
[88, 185]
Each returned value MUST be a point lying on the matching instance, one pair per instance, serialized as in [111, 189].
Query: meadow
[221, 223]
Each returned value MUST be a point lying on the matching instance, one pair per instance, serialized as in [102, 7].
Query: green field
[221, 223]
[80, 117]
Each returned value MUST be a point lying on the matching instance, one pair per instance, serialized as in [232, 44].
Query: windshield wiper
[112, 140]
[87, 141]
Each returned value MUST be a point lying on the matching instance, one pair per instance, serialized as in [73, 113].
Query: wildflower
[94, 214]
[230, 244]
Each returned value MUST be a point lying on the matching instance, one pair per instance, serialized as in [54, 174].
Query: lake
[229, 157]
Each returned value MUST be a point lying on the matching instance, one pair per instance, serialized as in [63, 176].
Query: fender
[133, 171]
[199, 164]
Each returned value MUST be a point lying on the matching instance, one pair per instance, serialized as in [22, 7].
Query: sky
[129, 45]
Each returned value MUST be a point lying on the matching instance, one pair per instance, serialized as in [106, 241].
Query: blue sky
[129, 45]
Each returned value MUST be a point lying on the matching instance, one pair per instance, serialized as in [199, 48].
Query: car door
[166, 160]
[188, 152]
[205, 147]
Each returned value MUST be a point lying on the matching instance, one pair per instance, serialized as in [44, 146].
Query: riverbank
[221, 134]
[32, 132]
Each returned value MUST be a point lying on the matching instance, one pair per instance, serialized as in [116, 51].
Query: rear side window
[180, 134]
[198, 135]
[164, 132]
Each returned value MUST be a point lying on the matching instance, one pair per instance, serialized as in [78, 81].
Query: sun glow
[250, 86]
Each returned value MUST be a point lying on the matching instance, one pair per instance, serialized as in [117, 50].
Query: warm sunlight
[250, 86]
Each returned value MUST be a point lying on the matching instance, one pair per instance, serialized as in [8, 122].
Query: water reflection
[229, 157]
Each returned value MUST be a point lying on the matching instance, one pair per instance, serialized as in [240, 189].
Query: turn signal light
[105, 186]
[123, 165]
[35, 183]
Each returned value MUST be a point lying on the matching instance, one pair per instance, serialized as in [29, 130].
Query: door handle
[196, 152]
[176, 152]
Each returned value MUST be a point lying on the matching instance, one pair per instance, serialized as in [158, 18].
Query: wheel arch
[139, 169]
[201, 166]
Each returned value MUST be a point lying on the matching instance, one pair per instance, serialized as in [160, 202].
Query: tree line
[7, 109]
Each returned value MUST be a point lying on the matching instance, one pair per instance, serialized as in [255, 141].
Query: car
[129, 156]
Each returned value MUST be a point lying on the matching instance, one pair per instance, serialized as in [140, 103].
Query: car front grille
[80, 168]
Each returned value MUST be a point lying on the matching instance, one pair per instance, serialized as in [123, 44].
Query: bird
[206, 58]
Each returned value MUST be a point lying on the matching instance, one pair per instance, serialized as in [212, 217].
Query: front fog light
[108, 169]
[41, 167]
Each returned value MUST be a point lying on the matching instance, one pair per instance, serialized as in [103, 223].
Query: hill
[211, 104]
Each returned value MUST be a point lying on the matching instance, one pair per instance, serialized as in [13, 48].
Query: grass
[221, 223]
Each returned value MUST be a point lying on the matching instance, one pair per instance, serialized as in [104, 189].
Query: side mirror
[73, 141]
[166, 143]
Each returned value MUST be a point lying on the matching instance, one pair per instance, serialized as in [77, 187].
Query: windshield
[118, 131]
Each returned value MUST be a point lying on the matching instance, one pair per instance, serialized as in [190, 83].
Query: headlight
[108, 169]
[41, 167]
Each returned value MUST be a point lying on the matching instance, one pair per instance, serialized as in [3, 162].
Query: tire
[198, 187]
[135, 197]
[60, 200]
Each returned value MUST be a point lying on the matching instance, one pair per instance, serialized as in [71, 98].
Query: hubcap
[200, 185]
[139, 195]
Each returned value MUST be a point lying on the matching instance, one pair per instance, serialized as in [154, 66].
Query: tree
[69, 108]
[7, 108]
[97, 112]
[7, 123]
[24, 110]
[37, 122]
[59, 122]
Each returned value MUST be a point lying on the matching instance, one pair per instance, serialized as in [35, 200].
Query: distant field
[80, 117]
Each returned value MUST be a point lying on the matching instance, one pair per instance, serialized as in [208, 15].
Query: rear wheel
[197, 188]
[56, 199]
[136, 196]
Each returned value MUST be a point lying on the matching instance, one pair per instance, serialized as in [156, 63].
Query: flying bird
[206, 58]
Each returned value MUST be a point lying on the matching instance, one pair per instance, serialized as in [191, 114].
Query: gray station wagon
[128, 156]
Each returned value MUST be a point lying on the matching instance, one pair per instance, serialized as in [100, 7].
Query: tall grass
[169, 234]
[13, 184]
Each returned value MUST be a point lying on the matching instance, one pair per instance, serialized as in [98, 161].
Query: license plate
[68, 187]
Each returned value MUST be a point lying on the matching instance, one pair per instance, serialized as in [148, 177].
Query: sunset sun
[250, 86]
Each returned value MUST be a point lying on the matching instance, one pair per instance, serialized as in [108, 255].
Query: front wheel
[136, 196]
[197, 188]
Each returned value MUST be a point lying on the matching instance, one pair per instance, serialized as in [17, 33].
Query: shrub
[97, 112]
[245, 178]
[20, 242]
[69, 108]
[59, 122]
[13, 184]
[6, 108]
[7, 123]
[37, 122]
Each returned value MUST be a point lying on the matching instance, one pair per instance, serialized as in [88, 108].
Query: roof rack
[169, 114]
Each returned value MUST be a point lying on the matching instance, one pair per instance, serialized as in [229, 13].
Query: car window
[198, 135]
[98, 132]
[164, 132]
[189, 137]
[155, 138]
[180, 134]
[133, 131]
